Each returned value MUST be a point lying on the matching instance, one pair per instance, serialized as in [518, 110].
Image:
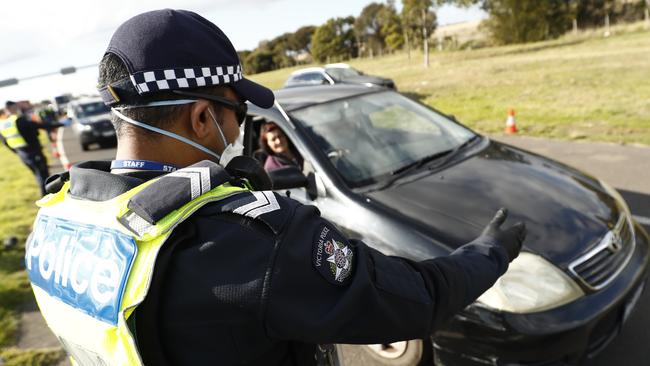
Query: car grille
[104, 125]
[602, 264]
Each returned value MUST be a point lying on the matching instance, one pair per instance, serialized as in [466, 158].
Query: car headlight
[531, 284]
[86, 127]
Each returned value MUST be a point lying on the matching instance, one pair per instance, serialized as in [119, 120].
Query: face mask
[231, 150]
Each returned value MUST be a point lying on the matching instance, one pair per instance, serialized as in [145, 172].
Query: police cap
[167, 50]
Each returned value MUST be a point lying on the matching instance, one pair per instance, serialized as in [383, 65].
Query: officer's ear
[200, 121]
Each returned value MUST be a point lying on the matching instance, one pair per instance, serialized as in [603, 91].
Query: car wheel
[84, 147]
[407, 353]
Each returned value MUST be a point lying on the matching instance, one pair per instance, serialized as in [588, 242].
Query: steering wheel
[336, 154]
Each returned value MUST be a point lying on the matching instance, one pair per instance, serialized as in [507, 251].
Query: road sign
[8, 82]
[68, 70]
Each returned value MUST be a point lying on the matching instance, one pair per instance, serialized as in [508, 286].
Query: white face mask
[230, 151]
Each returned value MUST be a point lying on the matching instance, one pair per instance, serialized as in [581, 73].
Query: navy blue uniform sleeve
[325, 288]
[29, 131]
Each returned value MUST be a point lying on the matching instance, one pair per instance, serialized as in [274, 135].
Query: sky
[44, 36]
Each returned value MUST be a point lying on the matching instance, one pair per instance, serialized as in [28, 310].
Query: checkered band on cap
[181, 78]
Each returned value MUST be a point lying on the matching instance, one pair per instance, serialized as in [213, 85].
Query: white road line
[59, 144]
[642, 220]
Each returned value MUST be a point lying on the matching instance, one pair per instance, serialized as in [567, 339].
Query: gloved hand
[511, 238]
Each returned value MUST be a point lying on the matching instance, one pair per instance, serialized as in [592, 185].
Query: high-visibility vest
[91, 263]
[9, 131]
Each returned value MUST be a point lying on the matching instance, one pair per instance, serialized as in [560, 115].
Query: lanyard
[142, 165]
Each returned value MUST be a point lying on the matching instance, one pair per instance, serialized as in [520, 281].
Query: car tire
[84, 147]
[408, 353]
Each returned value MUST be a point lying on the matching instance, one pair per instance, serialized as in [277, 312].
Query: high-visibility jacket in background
[9, 131]
[91, 263]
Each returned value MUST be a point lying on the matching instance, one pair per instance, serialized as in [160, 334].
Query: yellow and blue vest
[9, 131]
[91, 263]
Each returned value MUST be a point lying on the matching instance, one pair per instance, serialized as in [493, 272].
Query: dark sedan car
[410, 181]
[335, 74]
[92, 122]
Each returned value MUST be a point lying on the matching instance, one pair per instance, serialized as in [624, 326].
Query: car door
[321, 192]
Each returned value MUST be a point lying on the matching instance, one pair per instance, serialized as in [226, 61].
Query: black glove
[511, 238]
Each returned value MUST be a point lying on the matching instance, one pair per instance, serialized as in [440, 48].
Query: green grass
[33, 357]
[577, 87]
[17, 211]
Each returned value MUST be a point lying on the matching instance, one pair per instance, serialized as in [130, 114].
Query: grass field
[17, 210]
[577, 87]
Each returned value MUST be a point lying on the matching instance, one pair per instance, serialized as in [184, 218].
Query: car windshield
[92, 109]
[62, 99]
[342, 73]
[370, 137]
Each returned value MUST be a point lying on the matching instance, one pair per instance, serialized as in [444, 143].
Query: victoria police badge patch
[332, 256]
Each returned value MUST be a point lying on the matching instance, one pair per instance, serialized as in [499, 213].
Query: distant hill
[462, 32]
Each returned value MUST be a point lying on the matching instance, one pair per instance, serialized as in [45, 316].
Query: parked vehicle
[411, 181]
[335, 74]
[61, 102]
[92, 122]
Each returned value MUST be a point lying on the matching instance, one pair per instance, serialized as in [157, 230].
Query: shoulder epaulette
[174, 190]
[266, 206]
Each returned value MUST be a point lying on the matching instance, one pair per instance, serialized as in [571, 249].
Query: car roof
[339, 65]
[307, 69]
[321, 69]
[301, 96]
[87, 100]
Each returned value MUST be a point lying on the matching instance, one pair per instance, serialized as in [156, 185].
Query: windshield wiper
[447, 155]
[418, 163]
[455, 150]
[398, 173]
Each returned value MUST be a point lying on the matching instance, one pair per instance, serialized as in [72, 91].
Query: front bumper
[563, 336]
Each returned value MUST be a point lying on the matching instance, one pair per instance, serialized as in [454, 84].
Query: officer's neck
[163, 150]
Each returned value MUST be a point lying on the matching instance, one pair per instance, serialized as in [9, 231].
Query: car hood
[95, 119]
[566, 211]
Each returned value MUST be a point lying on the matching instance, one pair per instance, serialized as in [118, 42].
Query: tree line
[380, 28]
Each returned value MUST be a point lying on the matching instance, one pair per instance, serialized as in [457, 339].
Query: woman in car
[280, 151]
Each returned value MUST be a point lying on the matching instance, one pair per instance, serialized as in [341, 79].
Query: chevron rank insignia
[333, 257]
[175, 189]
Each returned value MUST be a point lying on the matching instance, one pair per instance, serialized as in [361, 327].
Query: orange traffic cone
[511, 124]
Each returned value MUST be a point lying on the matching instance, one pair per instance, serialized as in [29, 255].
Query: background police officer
[250, 278]
[21, 136]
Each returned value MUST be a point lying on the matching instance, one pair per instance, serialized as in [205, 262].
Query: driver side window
[274, 148]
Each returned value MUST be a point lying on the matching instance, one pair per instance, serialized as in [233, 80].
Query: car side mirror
[288, 177]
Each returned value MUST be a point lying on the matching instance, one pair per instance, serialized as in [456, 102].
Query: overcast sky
[40, 36]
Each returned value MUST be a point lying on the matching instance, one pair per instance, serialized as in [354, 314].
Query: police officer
[165, 256]
[20, 135]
